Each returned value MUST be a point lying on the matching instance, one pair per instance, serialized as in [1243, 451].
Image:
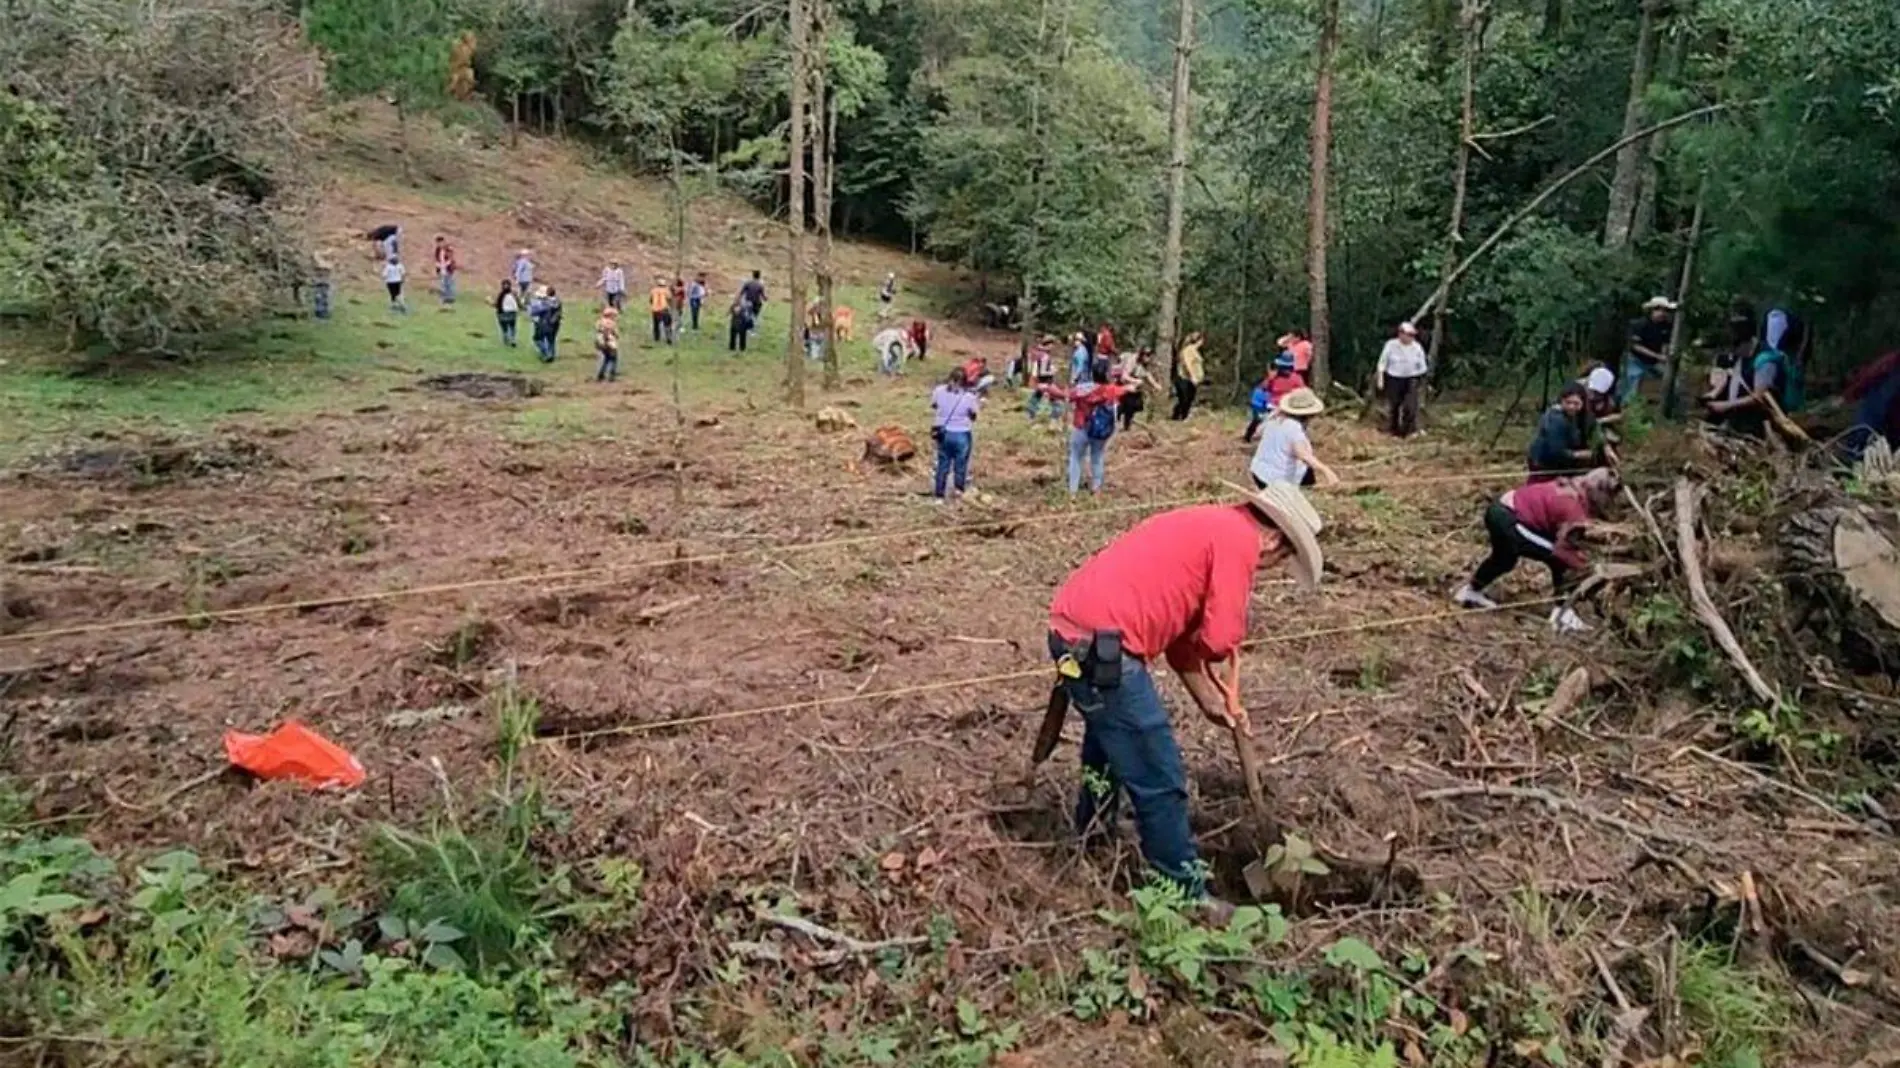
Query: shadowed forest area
[530, 530]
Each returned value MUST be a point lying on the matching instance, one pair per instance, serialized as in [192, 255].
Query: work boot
[1466, 597]
[1565, 620]
[1215, 912]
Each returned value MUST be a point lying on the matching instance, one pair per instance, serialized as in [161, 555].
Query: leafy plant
[1171, 943]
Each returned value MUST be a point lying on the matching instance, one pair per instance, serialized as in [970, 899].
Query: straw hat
[1302, 403]
[1659, 302]
[1284, 506]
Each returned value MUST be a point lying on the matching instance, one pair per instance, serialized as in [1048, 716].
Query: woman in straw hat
[1542, 521]
[1176, 586]
[1285, 454]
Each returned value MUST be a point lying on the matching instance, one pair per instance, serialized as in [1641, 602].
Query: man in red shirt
[1542, 521]
[1176, 586]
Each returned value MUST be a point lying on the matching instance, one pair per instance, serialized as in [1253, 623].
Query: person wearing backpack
[1093, 405]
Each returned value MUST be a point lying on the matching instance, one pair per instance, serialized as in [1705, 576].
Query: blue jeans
[447, 287]
[953, 452]
[320, 299]
[544, 344]
[694, 305]
[1092, 453]
[507, 321]
[609, 365]
[1128, 745]
[1634, 371]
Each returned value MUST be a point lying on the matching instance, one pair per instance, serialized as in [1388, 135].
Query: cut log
[1841, 562]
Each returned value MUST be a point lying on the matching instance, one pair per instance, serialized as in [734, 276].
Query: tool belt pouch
[1102, 661]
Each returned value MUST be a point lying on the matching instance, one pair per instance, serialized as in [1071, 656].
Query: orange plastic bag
[294, 751]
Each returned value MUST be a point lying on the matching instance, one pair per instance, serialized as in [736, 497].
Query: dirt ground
[624, 594]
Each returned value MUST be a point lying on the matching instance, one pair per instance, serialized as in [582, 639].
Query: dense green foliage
[149, 185]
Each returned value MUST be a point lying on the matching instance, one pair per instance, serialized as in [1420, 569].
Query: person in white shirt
[1400, 376]
[393, 274]
[1285, 454]
[892, 345]
[613, 282]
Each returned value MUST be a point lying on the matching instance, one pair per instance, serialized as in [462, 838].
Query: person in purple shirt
[954, 406]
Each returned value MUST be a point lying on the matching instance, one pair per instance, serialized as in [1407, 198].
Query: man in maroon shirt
[1176, 586]
[1542, 521]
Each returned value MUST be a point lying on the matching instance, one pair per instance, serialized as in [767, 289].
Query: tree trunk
[677, 171]
[402, 139]
[1624, 185]
[824, 110]
[826, 279]
[1318, 309]
[1454, 238]
[1039, 134]
[1843, 570]
[1166, 326]
[795, 211]
[1683, 285]
[1647, 188]
[514, 125]
[1246, 291]
[1553, 19]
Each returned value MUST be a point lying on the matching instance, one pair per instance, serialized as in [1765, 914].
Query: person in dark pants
[1399, 378]
[1174, 587]
[739, 324]
[607, 344]
[1188, 373]
[1560, 446]
[507, 312]
[1541, 521]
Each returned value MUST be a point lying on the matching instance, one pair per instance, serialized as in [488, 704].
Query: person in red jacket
[1092, 407]
[1176, 586]
[1542, 521]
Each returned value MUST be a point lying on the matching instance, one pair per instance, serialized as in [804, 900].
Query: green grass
[298, 367]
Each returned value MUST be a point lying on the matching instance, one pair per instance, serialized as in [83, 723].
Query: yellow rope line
[1010, 676]
[344, 600]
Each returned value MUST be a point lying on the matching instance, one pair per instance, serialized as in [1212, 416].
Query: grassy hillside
[490, 198]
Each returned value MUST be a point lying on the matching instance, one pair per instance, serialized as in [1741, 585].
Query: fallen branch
[1565, 804]
[1552, 189]
[1649, 520]
[1845, 821]
[847, 945]
[1703, 604]
[661, 611]
[1570, 693]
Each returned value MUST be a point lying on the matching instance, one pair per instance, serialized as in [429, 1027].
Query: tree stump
[1842, 566]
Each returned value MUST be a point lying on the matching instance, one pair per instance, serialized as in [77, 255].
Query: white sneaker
[1566, 621]
[1466, 597]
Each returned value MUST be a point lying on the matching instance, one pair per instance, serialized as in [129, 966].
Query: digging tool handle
[1052, 719]
[1250, 770]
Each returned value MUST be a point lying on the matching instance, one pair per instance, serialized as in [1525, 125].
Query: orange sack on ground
[294, 751]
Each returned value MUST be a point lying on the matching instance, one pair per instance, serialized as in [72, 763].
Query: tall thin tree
[800, 15]
[1166, 326]
[1319, 309]
[1469, 15]
[1626, 183]
[824, 111]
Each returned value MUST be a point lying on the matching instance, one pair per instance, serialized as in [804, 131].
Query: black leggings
[1512, 541]
[1130, 406]
[1184, 391]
